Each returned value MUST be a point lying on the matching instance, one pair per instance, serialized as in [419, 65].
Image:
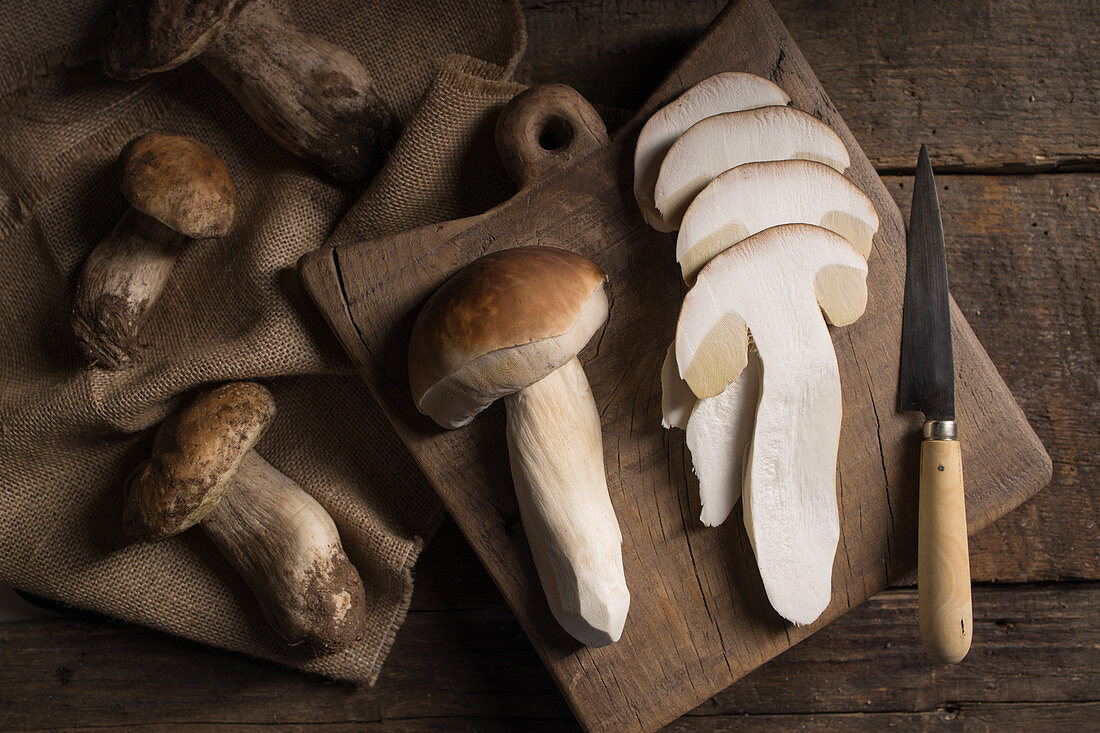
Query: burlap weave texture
[233, 309]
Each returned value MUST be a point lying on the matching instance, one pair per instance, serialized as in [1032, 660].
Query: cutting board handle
[544, 129]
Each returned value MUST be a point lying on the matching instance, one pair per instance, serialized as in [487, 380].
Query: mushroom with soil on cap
[777, 284]
[510, 325]
[178, 189]
[729, 91]
[285, 545]
[311, 96]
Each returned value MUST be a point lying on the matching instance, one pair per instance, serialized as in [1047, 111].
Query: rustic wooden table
[1007, 95]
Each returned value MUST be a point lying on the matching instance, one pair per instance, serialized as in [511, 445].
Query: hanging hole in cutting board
[556, 134]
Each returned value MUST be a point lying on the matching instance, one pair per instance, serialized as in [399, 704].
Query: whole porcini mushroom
[285, 545]
[311, 96]
[178, 189]
[510, 325]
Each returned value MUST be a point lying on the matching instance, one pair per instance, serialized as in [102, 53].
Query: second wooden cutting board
[699, 618]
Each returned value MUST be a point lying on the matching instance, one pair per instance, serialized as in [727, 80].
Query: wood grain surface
[462, 663]
[1022, 253]
[699, 618]
[999, 87]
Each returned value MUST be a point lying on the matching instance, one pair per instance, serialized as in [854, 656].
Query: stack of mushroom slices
[773, 242]
[510, 325]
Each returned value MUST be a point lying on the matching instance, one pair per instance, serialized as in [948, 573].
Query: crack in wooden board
[699, 617]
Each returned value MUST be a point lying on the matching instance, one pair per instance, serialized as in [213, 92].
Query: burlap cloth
[233, 309]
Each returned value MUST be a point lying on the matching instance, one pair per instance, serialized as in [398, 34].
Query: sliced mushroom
[777, 283]
[754, 196]
[510, 325]
[312, 97]
[735, 205]
[283, 543]
[729, 91]
[677, 399]
[178, 189]
[716, 144]
[719, 430]
[718, 435]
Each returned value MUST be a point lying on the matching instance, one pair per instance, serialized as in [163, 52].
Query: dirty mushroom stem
[122, 279]
[311, 96]
[286, 547]
[556, 452]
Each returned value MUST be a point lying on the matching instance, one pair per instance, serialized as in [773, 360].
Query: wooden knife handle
[943, 558]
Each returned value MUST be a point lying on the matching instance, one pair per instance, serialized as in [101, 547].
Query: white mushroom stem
[122, 279]
[789, 490]
[556, 452]
[288, 550]
[312, 96]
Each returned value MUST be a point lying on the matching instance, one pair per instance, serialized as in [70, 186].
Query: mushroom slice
[778, 283]
[754, 196]
[719, 433]
[718, 429]
[283, 543]
[510, 325]
[677, 399]
[730, 91]
[716, 144]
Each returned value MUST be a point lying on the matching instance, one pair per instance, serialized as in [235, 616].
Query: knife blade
[927, 382]
[927, 385]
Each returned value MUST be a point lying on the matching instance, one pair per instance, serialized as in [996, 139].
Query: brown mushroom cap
[179, 182]
[196, 455]
[157, 35]
[501, 324]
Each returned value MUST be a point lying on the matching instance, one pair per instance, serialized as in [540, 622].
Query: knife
[927, 385]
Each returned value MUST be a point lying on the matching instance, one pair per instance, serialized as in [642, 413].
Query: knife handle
[943, 558]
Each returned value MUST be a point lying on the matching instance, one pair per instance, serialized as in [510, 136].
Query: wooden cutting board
[699, 618]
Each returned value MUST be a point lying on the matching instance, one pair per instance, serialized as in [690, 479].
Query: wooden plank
[1048, 537]
[472, 667]
[699, 618]
[988, 85]
[1023, 267]
[953, 716]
